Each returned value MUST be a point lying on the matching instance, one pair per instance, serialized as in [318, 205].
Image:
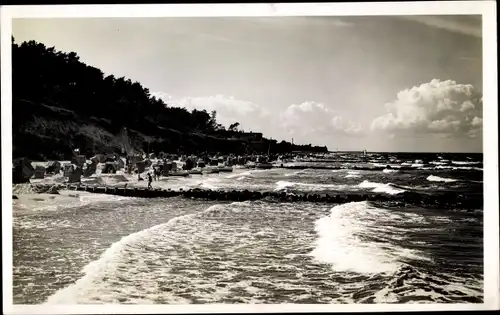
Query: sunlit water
[88, 248]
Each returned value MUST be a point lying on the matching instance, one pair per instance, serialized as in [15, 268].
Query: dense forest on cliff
[59, 103]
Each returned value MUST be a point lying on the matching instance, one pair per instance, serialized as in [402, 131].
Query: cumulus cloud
[161, 95]
[308, 121]
[311, 117]
[443, 108]
[229, 110]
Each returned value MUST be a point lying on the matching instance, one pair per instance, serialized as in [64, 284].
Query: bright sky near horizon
[370, 82]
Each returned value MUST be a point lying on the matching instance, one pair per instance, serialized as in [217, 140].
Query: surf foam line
[97, 269]
[389, 170]
[246, 173]
[466, 162]
[285, 184]
[379, 187]
[434, 178]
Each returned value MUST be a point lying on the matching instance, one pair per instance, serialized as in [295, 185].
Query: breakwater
[446, 200]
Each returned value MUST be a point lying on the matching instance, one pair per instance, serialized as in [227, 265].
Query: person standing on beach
[150, 180]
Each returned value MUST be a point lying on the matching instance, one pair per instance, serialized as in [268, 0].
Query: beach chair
[53, 167]
[68, 170]
[75, 176]
[39, 172]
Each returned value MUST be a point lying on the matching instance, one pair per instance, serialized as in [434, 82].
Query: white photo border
[490, 137]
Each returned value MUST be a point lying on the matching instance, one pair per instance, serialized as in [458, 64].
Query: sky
[380, 83]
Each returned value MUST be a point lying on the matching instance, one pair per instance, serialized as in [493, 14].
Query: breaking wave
[434, 178]
[465, 163]
[339, 241]
[281, 185]
[388, 170]
[378, 187]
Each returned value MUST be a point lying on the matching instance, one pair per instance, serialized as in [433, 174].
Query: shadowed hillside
[60, 103]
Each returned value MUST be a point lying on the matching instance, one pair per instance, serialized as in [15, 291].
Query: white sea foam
[454, 168]
[379, 187]
[434, 178]
[353, 174]
[308, 186]
[88, 288]
[338, 242]
[438, 162]
[295, 173]
[389, 170]
[190, 254]
[465, 162]
[337, 170]
[238, 174]
[66, 199]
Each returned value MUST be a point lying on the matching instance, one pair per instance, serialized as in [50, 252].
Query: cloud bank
[442, 108]
[316, 118]
[229, 110]
[307, 122]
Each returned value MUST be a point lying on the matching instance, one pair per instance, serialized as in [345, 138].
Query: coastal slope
[60, 103]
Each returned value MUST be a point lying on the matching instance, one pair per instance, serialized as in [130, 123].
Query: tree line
[62, 83]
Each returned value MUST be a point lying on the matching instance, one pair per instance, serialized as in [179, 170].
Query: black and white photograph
[277, 159]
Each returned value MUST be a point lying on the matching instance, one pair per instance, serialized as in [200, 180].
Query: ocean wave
[438, 162]
[87, 288]
[180, 261]
[296, 173]
[466, 162]
[408, 283]
[434, 178]
[379, 187]
[339, 244]
[353, 174]
[281, 185]
[238, 174]
[66, 199]
[454, 168]
[388, 170]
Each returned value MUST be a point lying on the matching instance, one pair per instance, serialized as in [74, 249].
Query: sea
[85, 248]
